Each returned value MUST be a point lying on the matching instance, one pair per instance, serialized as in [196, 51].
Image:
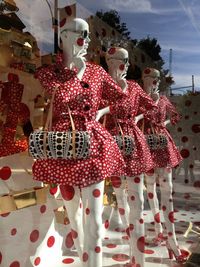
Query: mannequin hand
[138, 118]
[102, 112]
[122, 83]
[155, 97]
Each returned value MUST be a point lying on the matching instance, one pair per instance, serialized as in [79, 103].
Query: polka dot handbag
[154, 140]
[59, 145]
[126, 143]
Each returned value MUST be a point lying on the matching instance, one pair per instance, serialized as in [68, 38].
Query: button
[86, 108]
[84, 84]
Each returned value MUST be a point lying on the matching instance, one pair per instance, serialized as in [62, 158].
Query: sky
[174, 23]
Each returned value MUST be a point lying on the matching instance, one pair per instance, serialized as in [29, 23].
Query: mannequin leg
[153, 201]
[167, 207]
[120, 188]
[136, 221]
[72, 201]
[92, 197]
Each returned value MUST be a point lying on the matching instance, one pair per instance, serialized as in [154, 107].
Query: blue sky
[174, 23]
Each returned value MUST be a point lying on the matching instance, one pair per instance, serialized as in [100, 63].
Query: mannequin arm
[102, 112]
[138, 118]
[166, 122]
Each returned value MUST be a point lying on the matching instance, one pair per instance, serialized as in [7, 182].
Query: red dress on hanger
[83, 98]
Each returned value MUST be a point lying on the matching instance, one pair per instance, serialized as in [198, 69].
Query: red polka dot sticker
[97, 249]
[80, 41]
[122, 67]
[74, 234]
[111, 245]
[120, 257]
[96, 193]
[112, 51]
[185, 153]
[157, 217]
[69, 241]
[85, 257]
[68, 261]
[15, 264]
[50, 241]
[137, 180]
[67, 192]
[68, 10]
[106, 224]
[116, 181]
[150, 195]
[5, 173]
[121, 211]
[141, 244]
[13, 231]
[62, 22]
[34, 236]
[43, 208]
[37, 261]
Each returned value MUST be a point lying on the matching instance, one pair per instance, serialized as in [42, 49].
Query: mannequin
[162, 166]
[81, 87]
[123, 113]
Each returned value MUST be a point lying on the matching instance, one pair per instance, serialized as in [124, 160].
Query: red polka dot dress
[83, 98]
[169, 156]
[124, 111]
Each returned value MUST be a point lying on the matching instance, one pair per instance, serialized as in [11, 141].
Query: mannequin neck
[68, 57]
[70, 61]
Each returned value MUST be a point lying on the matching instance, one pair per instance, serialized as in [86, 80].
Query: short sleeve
[172, 112]
[146, 105]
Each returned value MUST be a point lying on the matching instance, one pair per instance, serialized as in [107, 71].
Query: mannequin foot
[182, 258]
[130, 265]
[158, 240]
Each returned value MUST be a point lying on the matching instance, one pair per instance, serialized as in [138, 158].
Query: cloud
[192, 13]
[135, 6]
[184, 49]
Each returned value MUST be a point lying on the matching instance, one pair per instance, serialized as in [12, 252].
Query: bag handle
[73, 133]
[48, 126]
[152, 129]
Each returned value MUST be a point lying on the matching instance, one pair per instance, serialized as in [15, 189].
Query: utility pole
[55, 26]
[170, 62]
[170, 68]
[193, 84]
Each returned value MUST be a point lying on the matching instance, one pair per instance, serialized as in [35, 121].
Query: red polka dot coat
[83, 97]
[124, 111]
[169, 156]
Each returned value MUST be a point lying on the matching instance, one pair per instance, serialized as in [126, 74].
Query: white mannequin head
[117, 61]
[151, 80]
[75, 39]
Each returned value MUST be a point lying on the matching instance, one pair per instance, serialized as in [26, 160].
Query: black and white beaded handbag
[46, 144]
[155, 140]
[126, 143]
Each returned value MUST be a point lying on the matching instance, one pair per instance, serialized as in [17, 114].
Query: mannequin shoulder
[135, 86]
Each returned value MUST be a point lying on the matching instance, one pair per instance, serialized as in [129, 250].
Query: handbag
[154, 140]
[126, 143]
[47, 144]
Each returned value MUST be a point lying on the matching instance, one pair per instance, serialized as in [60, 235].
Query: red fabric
[83, 98]
[169, 156]
[124, 111]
